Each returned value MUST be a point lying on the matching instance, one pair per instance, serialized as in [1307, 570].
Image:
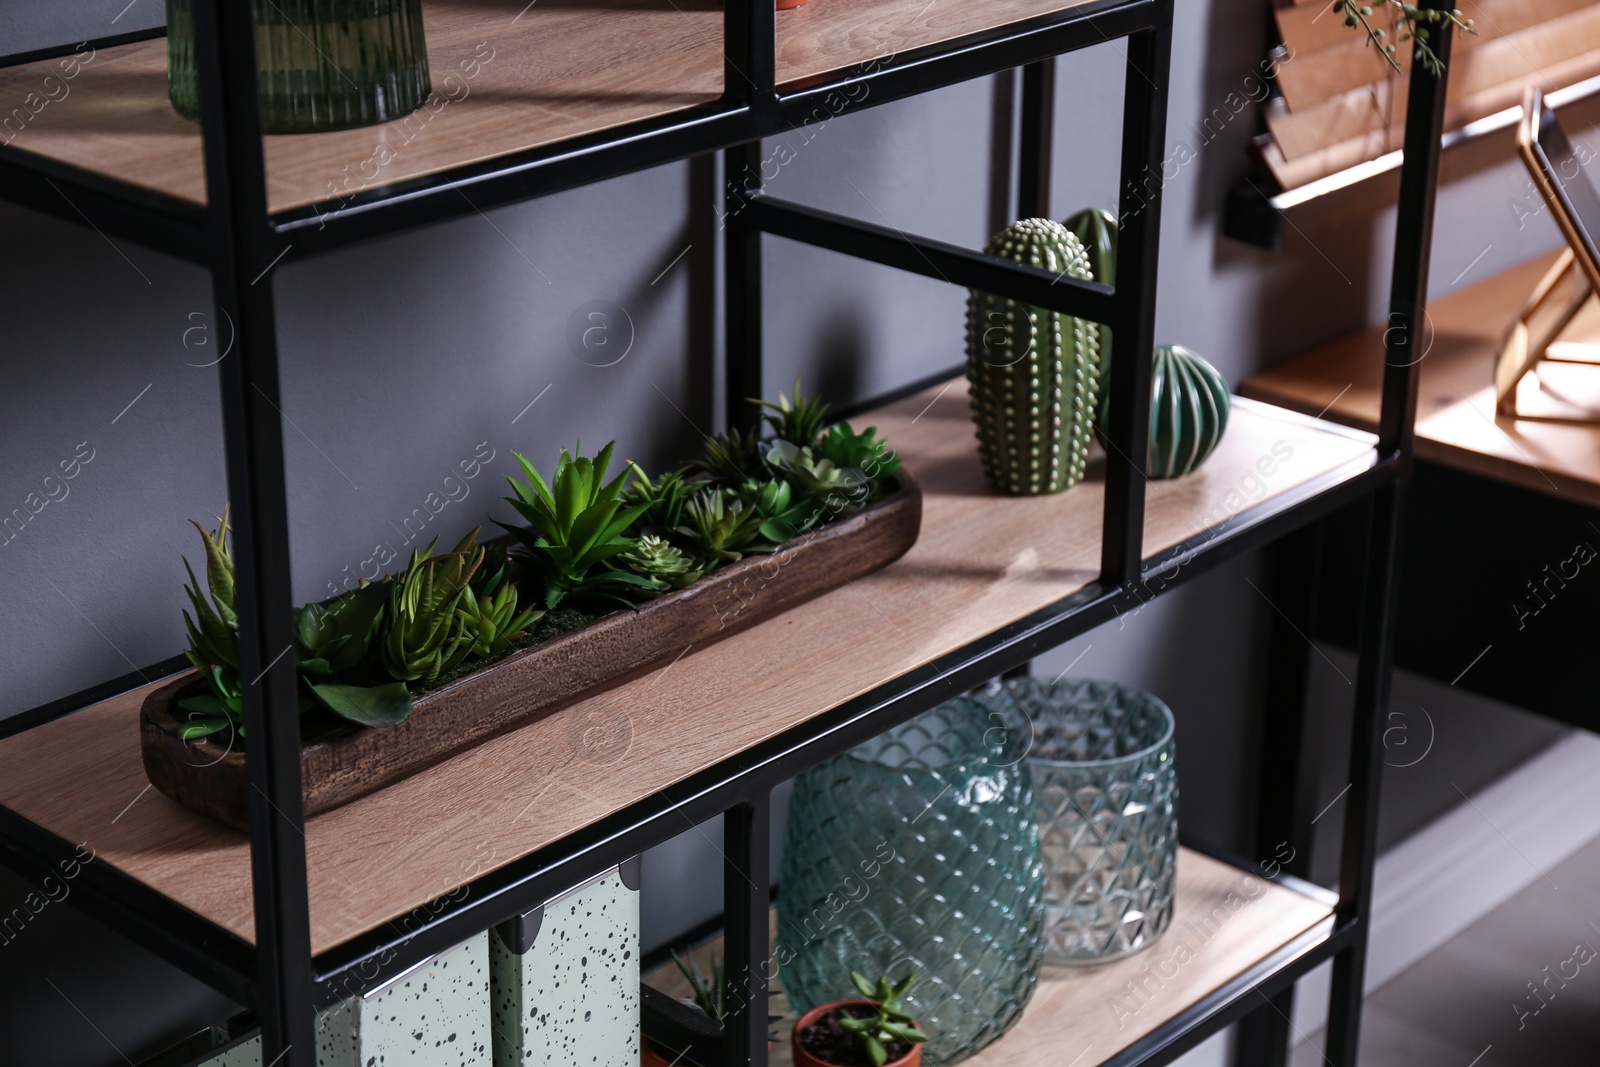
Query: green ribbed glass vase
[918, 851]
[325, 64]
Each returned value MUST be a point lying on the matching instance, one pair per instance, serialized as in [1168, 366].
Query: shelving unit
[1228, 927]
[303, 913]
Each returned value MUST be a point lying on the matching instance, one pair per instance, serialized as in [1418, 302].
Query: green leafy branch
[1418, 24]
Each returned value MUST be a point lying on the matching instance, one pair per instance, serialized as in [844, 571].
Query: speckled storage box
[436, 1015]
[565, 978]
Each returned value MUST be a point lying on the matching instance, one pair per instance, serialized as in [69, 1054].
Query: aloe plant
[710, 995]
[423, 637]
[213, 632]
[891, 1023]
[576, 522]
[491, 618]
[214, 627]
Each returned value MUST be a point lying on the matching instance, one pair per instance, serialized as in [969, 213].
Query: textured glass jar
[1106, 784]
[324, 64]
[918, 851]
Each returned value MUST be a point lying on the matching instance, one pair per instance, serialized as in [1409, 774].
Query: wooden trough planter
[350, 761]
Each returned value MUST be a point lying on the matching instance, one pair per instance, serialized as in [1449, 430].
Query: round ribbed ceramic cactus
[1035, 374]
[1188, 411]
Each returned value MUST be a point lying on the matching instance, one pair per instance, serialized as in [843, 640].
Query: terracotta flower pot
[785, 5]
[802, 1058]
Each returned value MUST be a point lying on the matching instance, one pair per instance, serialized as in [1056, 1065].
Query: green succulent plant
[863, 451]
[496, 568]
[492, 621]
[423, 637]
[662, 499]
[576, 521]
[732, 456]
[784, 513]
[216, 710]
[710, 995]
[891, 1023]
[840, 488]
[663, 564]
[722, 527]
[340, 640]
[214, 627]
[799, 421]
[339, 636]
[213, 631]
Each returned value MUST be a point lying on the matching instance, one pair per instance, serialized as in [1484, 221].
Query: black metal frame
[236, 236]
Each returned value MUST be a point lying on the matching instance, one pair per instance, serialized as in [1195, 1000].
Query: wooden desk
[1499, 516]
[1456, 424]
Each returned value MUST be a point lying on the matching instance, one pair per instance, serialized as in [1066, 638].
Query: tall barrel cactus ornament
[1035, 374]
[1096, 229]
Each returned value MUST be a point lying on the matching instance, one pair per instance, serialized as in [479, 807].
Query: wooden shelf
[982, 562]
[1456, 421]
[557, 70]
[1226, 920]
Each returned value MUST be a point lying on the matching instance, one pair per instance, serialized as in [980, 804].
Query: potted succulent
[709, 997]
[874, 1031]
[602, 578]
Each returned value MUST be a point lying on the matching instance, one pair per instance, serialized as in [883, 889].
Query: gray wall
[402, 356]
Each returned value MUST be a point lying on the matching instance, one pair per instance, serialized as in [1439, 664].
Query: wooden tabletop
[1224, 921]
[982, 562]
[1456, 421]
[508, 75]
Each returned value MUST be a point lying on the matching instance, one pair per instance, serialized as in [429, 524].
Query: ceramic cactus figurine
[1096, 229]
[1188, 411]
[1035, 373]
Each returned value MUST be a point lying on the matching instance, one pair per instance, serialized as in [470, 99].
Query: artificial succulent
[214, 627]
[491, 620]
[576, 522]
[799, 421]
[662, 498]
[423, 636]
[213, 632]
[733, 455]
[663, 564]
[722, 527]
[601, 543]
[784, 514]
[864, 451]
[890, 1023]
[838, 488]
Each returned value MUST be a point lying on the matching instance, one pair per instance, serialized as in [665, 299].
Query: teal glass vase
[324, 64]
[918, 851]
